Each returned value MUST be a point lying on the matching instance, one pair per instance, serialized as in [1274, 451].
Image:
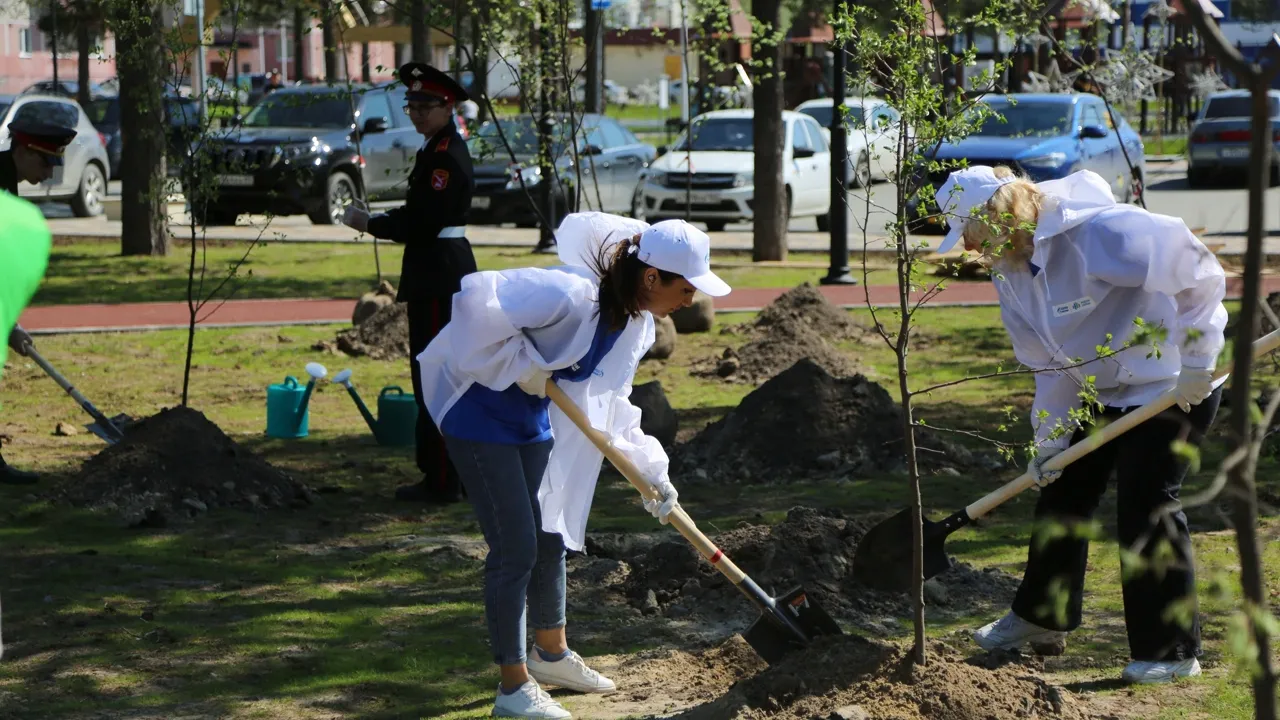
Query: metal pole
[283, 52]
[838, 214]
[199, 75]
[595, 59]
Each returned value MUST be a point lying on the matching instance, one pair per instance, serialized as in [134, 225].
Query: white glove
[1044, 478]
[1194, 385]
[669, 500]
[356, 218]
[534, 381]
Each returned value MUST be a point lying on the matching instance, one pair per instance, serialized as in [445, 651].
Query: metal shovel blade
[883, 559]
[772, 640]
[114, 432]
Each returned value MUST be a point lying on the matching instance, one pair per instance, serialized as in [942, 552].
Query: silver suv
[82, 179]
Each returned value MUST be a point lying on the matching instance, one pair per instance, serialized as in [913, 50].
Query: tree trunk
[140, 63]
[480, 61]
[594, 35]
[366, 72]
[299, 54]
[84, 46]
[419, 32]
[330, 44]
[770, 232]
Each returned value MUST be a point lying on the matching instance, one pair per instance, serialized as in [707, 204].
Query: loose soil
[799, 324]
[384, 336]
[806, 423]
[178, 464]
[664, 577]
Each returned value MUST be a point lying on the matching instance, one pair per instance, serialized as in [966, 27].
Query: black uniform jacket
[8, 173]
[440, 188]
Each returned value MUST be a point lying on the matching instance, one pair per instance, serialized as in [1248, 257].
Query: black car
[303, 150]
[182, 127]
[609, 161]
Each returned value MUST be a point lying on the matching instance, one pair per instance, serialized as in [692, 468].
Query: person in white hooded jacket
[1074, 270]
[528, 472]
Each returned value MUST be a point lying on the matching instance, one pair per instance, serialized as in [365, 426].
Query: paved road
[1220, 211]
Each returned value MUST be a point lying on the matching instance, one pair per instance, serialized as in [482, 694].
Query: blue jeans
[525, 565]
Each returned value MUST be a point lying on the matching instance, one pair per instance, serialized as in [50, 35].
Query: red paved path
[134, 316]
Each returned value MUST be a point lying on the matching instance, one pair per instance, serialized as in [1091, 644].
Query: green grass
[1168, 145]
[344, 610]
[94, 272]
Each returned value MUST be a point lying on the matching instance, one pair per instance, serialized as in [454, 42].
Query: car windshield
[182, 112]
[106, 110]
[1027, 119]
[731, 134]
[823, 114]
[1235, 107]
[303, 110]
[520, 133]
[4, 109]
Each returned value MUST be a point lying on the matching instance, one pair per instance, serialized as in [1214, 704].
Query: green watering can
[397, 412]
[287, 402]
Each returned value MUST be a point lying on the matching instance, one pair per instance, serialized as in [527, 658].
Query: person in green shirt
[24, 254]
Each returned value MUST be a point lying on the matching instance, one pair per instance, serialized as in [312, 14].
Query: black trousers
[1160, 610]
[426, 318]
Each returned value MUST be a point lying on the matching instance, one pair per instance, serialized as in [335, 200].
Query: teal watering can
[397, 412]
[287, 402]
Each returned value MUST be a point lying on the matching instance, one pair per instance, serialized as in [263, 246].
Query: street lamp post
[838, 214]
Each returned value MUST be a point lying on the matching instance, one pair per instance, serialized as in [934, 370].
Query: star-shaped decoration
[1206, 83]
[1095, 10]
[1130, 75]
[1161, 11]
[417, 72]
[1052, 81]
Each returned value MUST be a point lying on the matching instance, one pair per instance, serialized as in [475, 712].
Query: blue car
[1047, 137]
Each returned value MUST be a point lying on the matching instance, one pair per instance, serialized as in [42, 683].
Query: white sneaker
[1142, 672]
[571, 673]
[528, 701]
[1011, 632]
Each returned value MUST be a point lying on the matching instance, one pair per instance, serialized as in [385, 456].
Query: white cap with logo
[962, 192]
[678, 247]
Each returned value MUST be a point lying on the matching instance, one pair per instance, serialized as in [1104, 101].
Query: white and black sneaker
[1143, 672]
[1011, 632]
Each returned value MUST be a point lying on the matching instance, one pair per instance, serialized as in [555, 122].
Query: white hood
[705, 162]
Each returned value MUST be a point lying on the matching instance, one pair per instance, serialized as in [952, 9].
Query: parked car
[182, 119]
[1045, 137]
[614, 94]
[65, 88]
[711, 170]
[1219, 141]
[82, 178]
[609, 163]
[872, 131]
[302, 151]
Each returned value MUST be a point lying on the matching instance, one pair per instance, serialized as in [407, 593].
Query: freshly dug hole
[814, 548]
[177, 463]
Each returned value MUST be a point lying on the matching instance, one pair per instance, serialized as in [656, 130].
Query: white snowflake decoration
[1052, 81]
[1161, 11]
[1095, 10]
[1035, 40]
[1130, 76]
[1206, 83]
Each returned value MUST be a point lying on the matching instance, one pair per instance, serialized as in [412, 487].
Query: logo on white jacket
[1074, 306]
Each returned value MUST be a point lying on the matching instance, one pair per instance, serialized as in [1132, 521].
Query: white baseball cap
[678, 247]
[962, 192]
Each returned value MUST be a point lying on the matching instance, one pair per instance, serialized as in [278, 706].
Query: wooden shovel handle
[1263, 345]
[678, 518]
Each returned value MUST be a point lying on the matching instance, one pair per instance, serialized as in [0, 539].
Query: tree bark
[141, 66]
[769, 132]
[419, 32]
[480, 62]
[366, 72]
[299, 54]
[84, 46]
[330, 44]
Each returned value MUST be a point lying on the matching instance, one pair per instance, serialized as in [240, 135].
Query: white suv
[712, 180]
[872, 136]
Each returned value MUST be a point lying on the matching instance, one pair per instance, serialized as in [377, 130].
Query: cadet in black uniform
[432, 227]
[36, 149]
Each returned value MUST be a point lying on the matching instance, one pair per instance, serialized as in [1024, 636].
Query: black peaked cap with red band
[423, 83]
[43, 137]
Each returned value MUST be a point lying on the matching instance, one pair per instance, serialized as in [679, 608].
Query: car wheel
[637, 205]
[341, 193]
[716, 225]
[87, 201]
[1197, 177]
[824, 223]
[211, 215]
[861, 172]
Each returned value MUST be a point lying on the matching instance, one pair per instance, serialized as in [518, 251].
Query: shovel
[111, 430]
[785, 623]
[883, 559]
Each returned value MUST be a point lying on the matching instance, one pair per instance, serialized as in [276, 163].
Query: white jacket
[505, 322]
[1103, 265]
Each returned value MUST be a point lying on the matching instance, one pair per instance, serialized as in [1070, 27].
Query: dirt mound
[813, 548]
[383, 336]
[805, 423]
[834, 673]
[178, 464]
[799, 324]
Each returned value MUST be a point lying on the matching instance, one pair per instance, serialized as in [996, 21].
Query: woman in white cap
[585, 325]
[1074, 269]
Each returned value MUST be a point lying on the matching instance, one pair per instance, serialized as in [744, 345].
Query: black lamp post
[838, 274]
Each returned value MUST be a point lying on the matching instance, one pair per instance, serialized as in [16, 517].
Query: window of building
[24, 42]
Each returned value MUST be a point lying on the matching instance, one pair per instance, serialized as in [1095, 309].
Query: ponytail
[620, 270]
